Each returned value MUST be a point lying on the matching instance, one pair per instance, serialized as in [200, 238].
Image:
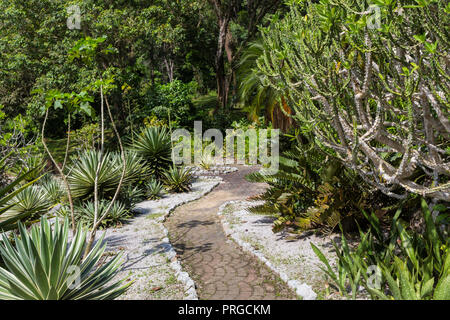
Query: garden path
[220, 269]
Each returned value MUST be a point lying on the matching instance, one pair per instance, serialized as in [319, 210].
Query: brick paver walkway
[220, 269]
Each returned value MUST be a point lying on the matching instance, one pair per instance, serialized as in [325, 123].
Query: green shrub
[154, 145]
[178, 179]
[116, 215]
[411, 266]
[50, 276]
[131, 195]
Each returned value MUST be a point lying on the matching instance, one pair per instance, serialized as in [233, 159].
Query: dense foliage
[310, 193]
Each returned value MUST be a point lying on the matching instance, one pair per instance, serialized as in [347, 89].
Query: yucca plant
[54, 189]
[82, 175]
[309, 192]
[256, 94]
[44, 265]
[116, 215]
[154, 145]
[178, 179]
[63, 211]
[206, 161]
[154, 190]
[135, 168]
[32, 199]
[9, 192]
[131, 195]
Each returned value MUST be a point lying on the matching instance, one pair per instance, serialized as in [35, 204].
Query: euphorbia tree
[369, 81]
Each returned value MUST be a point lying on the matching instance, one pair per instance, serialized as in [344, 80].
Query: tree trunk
[170, 68]
[222, 91]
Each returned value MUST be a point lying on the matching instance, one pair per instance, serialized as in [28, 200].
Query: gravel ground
[293, 259]
[149, 258]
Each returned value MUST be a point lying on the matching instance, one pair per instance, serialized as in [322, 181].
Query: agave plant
[411, 266]
[255, 93]
[82, 175]
[155, 146]
[116, 215]
[63, 211]
[178, 179]
[206, 161]
[135, 168]
[154, 190]
[44, 265]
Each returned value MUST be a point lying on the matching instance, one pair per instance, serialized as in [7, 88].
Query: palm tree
[255, 93]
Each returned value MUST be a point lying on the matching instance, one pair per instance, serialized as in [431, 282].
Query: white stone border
[182, 276]
[212, 172]
[302, 289]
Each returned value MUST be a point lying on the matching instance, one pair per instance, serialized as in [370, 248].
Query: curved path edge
[301, 289]
[221, 269]
[175, 265]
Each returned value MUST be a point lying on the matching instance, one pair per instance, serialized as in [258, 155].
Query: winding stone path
[220, 269]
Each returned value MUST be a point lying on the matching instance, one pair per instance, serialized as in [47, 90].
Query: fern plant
[306, 193]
